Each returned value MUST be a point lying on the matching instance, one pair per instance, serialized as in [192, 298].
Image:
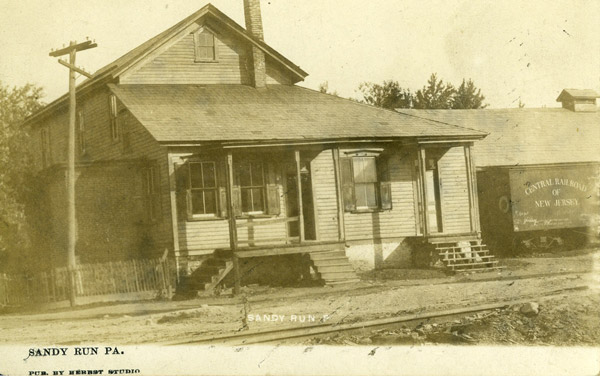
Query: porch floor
[307, 246]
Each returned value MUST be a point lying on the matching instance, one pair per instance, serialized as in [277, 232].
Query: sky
[512, 50]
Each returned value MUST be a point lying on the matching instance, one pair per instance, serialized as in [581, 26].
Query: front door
[292, 207]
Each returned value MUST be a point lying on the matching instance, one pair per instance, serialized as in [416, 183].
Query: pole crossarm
[76, 69]
[77, 47]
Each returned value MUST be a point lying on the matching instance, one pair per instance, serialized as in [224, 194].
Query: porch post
[174, 214]
[422, 167]
[299, 189]
[232, 225]
[338, 191]
[472, 176]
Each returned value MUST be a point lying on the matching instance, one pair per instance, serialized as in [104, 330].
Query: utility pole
[71, 50]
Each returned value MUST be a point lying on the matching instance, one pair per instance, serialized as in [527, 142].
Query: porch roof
[195, 113]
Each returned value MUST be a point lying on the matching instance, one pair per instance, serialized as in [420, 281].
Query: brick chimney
[254, 26]
[578, 100]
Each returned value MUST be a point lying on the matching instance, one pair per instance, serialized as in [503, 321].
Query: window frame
[381, 183]
[114, 124]
[252, 187]
[191, 189]
[198, 39]
[374, 183]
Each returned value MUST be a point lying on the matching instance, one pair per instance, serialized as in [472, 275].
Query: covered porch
[311, 198]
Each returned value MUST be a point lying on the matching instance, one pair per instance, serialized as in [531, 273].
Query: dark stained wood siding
[101, 147]
[454, 191]
[177, 65]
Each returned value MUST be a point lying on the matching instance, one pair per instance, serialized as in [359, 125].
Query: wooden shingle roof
[196, 113]
[527, 136]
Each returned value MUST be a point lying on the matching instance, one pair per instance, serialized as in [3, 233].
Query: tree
[387, 95]
[467, 97]
[324, 88]
[435, 95]
[15, 105]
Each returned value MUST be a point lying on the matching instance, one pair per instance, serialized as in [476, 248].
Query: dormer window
[205, 46]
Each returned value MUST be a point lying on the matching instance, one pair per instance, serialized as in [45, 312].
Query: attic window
[205, 48]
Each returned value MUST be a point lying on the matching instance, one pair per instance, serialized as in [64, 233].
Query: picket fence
[91, 280]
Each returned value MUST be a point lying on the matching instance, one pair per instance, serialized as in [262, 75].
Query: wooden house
[538, 171]
[199, 141]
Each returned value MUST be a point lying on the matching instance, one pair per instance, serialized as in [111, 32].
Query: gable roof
[117, 67]
[526, 136]
[210, 11]
[577, 94]
[197, 113]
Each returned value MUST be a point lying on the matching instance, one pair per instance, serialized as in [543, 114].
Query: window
[251, 181]
[204, 43]
[202, 189]
[45, 141]
[81, 132]
[114, 126]
[202, 193]
[151, 192]
[365, 183]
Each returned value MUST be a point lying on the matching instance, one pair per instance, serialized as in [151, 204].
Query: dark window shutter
[273, 206]
[385, 186]
[348, 184]
[181, 189]
[385, 195]
[237, 201]
[222, 184]
[223, 202]
[273, 199]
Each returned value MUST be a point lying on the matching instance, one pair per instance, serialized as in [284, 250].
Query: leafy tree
[16, 104]
[435, 95]
[467, 96]
[387, 95]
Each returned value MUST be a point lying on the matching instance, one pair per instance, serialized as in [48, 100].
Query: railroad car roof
[179, 113]
[526, 136]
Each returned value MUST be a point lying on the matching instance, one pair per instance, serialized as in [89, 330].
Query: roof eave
[62, 101]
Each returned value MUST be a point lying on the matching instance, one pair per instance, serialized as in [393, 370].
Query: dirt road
[272, 308]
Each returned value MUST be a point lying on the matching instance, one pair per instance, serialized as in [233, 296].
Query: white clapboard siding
[177, 65]
[454, 192]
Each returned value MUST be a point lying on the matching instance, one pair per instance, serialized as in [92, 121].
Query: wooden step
[327, 255]
[490, 263]
[489, 257]
[333, 276]
[460, 248]
[465, 255]
[335, 269]
[331, 262]
[437, 239]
